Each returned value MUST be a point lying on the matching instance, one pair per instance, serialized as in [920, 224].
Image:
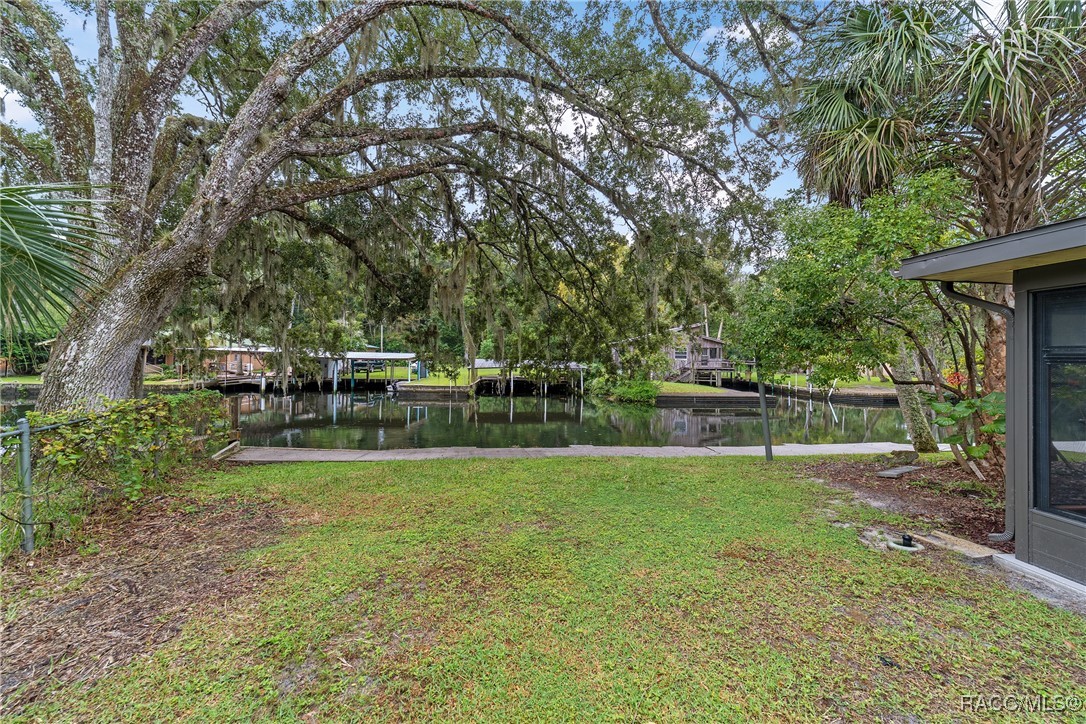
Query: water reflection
[377, 422]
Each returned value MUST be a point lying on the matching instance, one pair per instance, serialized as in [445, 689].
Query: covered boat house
[1046, 380]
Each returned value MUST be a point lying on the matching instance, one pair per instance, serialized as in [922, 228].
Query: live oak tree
[199, 117]
[747, 59]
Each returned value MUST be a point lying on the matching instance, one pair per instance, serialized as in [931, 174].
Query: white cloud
[15, 111]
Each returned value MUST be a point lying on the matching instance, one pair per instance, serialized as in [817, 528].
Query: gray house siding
[1045, 445]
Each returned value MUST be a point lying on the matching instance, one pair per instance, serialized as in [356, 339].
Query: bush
[993, 406]
[638, 391]
[117, 453]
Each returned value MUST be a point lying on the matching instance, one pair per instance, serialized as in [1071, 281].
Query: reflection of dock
[725, 398]
[361, 422]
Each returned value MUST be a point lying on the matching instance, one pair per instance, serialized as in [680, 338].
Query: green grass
[21, 380]
[584, 590]
[460, 378]
[799, 380]
[680, 388]
[171, 381]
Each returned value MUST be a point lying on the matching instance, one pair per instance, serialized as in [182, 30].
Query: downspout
[1008, 521]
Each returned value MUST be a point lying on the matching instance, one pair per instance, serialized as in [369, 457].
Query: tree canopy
[438, 136]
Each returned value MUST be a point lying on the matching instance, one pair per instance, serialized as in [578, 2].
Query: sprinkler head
[906, 540]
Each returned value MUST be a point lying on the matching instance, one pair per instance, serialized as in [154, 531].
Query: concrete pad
[856, 448]
[967, 548]
[1008, 562]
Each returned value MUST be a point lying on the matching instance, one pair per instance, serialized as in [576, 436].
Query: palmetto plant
[46, 249]
[911, 85]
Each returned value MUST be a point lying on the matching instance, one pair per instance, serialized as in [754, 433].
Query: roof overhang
[373, 356]
[995, 260]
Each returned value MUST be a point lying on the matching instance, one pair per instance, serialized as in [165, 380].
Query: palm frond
[907, 70]
[851, 163]
[46, 248]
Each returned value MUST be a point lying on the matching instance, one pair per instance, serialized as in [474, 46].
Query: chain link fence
[55, 468]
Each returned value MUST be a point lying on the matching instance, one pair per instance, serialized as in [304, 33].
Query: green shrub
[118, 453]
[637, 391]
[993, 406]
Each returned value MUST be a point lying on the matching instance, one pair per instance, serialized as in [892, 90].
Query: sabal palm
[46, 247]
[918, 84]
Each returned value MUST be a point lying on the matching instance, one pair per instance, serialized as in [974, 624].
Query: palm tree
[916, 85]
[46, 249]
[919, 85]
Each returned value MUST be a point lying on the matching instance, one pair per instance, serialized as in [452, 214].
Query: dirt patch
[72, 615]
[940, 494]
[751, 553]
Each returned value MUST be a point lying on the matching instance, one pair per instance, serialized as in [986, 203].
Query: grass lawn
[21, 380]
[583, 589]
[461, 378]
[686, 388]
[801, 381]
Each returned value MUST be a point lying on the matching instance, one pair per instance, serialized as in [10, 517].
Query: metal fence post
[24, 472]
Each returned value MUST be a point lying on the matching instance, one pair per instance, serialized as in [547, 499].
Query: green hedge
[619, 389]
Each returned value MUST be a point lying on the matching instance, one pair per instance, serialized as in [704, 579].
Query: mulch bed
[942, 495]
[72, 615]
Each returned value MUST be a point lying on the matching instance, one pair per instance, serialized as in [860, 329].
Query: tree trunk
[994, 378]
[912, 408]
[99, 353]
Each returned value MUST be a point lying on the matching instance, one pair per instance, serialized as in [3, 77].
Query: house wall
[1047, 540]
[694, 347]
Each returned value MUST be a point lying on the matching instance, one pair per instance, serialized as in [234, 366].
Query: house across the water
[697, 357]
[693, 356]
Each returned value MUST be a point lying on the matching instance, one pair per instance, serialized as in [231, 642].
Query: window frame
[1046, 356]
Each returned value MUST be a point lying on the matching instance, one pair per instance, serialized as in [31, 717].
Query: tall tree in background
[1002, 100]
[453, 103]
[746, 59]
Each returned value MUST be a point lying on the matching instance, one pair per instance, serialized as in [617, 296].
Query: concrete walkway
[298, 454]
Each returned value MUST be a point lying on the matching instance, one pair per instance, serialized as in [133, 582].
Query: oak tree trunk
[99, 353]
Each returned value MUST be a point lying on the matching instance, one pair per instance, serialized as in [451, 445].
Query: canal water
[378, 422]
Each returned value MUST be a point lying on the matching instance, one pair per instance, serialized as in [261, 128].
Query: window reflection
[1066, 321]
[1067, 437]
